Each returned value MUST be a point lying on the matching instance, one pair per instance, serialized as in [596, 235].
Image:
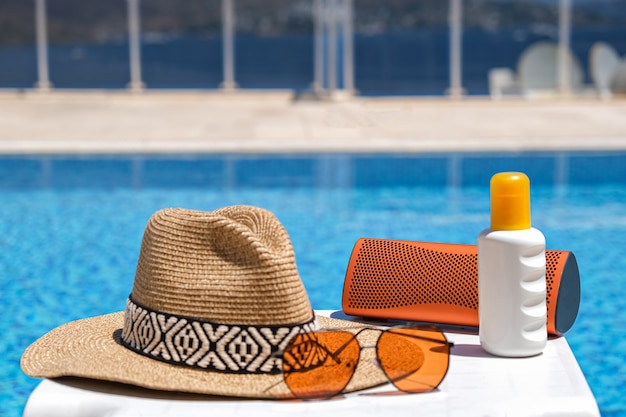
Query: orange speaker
[438, 283]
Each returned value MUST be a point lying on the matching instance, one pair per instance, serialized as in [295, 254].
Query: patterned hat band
[193, 343]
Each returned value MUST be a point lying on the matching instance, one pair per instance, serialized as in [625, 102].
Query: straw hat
[216, 294]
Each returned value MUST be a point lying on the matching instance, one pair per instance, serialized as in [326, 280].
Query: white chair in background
[502, 82]
[537, 73]
[603, 67]
[537, 70]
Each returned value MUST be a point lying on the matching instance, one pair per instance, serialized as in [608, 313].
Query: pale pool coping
[249, 121]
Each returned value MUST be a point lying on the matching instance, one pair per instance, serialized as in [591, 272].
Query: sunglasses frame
[310, 341]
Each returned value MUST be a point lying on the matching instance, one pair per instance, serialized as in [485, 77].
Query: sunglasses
[320, 364]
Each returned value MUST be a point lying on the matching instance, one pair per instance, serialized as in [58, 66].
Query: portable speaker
[438, 283]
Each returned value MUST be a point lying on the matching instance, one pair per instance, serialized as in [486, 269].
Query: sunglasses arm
[428, 339]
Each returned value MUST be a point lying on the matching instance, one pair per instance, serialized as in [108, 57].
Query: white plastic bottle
[511, 273]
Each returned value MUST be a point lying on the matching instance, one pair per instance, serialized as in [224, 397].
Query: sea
[397, 62]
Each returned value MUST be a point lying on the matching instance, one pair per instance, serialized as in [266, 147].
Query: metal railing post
[331, 22]
[348, 47]
[228, 45]
[43, 79]
[318, 46]
[456, 48]
[563, 61]
[134, 45]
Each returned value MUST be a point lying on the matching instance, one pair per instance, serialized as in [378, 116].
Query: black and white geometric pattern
[200, 344]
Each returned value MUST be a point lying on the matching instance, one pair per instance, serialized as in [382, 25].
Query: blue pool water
[71, 227]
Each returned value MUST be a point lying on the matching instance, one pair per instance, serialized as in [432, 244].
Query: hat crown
[235, 265]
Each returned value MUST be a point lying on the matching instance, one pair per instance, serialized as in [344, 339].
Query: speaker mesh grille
[553, 258]
[388, 274]
[391, 274]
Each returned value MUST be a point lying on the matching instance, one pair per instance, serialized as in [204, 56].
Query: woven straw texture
[234, 266]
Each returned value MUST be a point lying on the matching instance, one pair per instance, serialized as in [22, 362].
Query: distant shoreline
[76, 20]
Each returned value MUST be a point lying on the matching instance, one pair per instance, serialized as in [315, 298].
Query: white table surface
[477, 384]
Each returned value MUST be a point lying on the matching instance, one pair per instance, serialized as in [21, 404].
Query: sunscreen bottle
[511, 273]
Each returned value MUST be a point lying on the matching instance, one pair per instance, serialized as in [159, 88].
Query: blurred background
[63, 183]
[368, 47]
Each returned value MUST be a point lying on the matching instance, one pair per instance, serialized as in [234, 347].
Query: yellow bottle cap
[510, 201]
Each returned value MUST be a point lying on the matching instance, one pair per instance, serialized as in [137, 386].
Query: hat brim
[90, 348]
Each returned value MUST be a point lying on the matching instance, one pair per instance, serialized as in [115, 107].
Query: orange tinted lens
[320, 364]
[414, 359]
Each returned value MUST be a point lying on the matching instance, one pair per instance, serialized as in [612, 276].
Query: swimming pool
[71, 227]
